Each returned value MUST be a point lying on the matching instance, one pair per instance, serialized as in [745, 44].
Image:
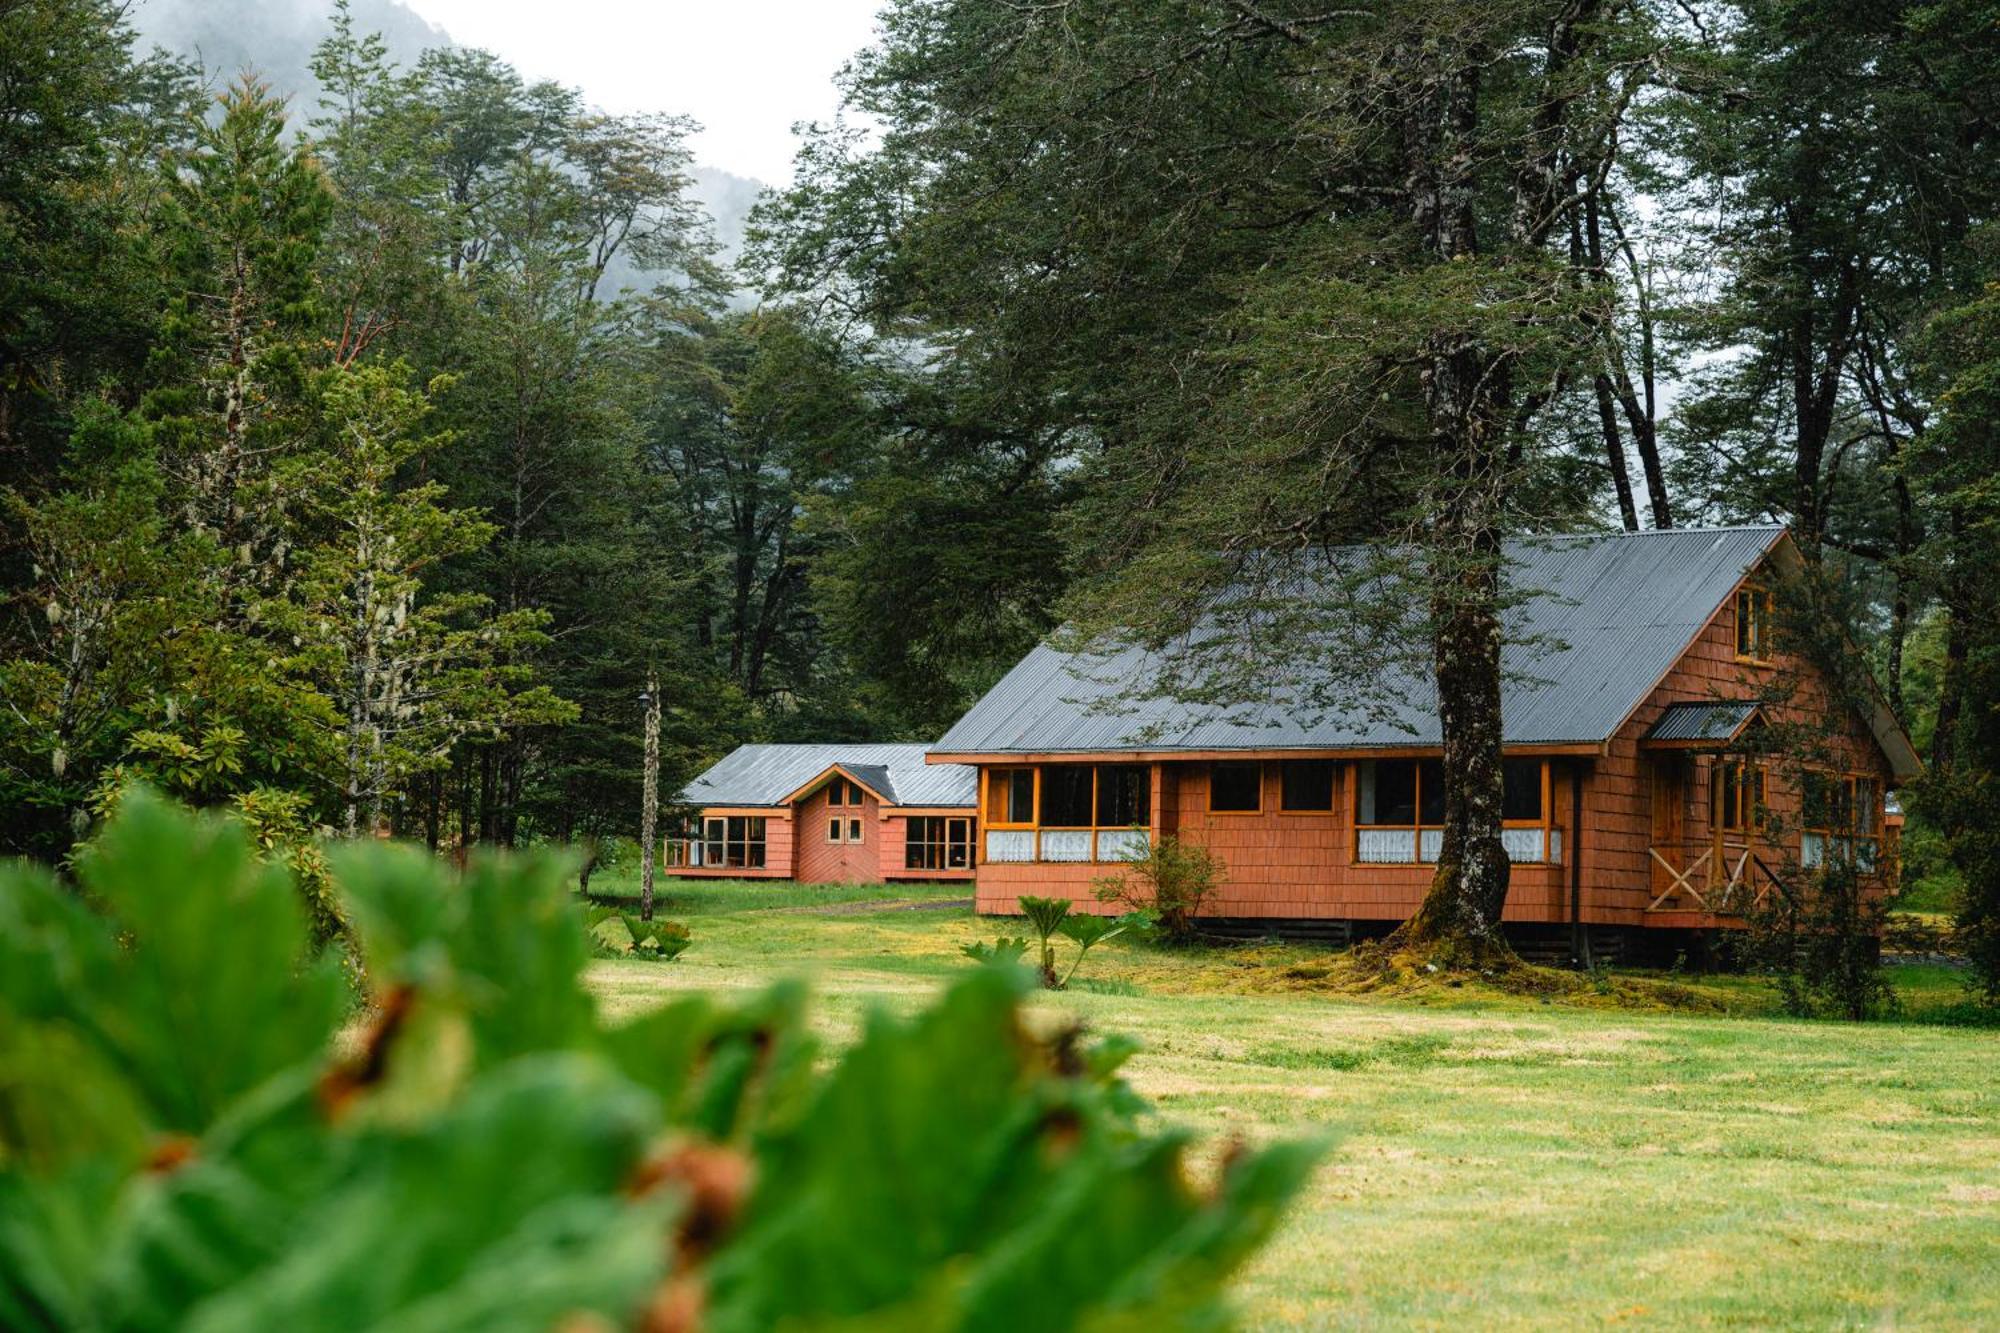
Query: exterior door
[1670, 782]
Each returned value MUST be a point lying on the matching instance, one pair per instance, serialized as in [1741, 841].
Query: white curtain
[1010, 845]
[1121, 844]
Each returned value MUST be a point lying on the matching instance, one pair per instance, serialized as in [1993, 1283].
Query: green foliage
[1171, 884]
[1820, 936]
[621, 934]
[1050, 917]
[1005, 950]
[187, 1140]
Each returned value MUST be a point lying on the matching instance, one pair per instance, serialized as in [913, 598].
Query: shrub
[621, 934]
[1820, 937]
[1172, 881]
[1050, 917]
[188, 1140]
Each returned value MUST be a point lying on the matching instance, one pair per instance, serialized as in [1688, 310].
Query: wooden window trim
[1753, 795]
[1848, 779]
[986, 786]
[1209, 798]
[1546, 823]
[1760, 599]
[1038, 828]
[761, 842]
[942, 844]
[1332, 794]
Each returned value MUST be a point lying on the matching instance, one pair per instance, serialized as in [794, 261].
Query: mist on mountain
[275, 39]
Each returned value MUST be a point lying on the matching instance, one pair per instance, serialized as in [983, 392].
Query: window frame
[1753, 614]
[756, 838]
[1209, 799]
[1751, 811]
[913, 825]
[1546, 823]
[998, 777]
[1845, 784]
[989, 785]
[1332, 806]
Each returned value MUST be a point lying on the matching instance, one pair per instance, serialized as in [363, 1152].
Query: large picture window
[938, 842]
[735, 841]
[1399, 811]
[1068, 812]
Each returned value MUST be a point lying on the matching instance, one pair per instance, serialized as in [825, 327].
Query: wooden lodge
[828, 814]
[1643, 797]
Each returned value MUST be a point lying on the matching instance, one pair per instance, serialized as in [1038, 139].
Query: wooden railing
[1726, 879]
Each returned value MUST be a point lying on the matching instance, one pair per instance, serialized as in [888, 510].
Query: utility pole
[649, 800]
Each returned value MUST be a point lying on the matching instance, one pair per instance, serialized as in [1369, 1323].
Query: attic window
[1753, 625]
[841, 792]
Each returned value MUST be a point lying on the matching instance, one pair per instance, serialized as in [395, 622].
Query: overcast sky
[746, 69]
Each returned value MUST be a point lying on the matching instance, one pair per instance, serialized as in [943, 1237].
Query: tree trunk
[649, 798]
[1459, 919]
[1614, 455]
[1466, 394]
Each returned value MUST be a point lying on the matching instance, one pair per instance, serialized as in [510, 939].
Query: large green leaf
[183, 1147]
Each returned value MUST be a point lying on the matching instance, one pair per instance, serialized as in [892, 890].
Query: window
[1753, 625]
[1068, 812]
[836, 829]
[938, 842]
[1307, 785]
[1399, 811]
[733, 840]
[1066, 796]
[1124, 795]
[854, 830]
[1739, 795]
[1843, 817]
[841, 792]
[1522, 794]
[1236, 788]
[1010, 797]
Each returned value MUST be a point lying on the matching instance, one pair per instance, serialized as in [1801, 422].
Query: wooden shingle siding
[824, 862]
[1301, 866]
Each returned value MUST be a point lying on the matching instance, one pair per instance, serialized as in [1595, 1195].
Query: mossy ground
[1532, 1150]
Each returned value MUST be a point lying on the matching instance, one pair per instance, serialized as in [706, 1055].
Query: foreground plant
[189, 1139]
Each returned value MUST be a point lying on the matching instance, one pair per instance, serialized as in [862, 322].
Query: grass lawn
[1500, 1160]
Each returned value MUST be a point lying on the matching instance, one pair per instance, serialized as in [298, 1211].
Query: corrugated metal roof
[767, 774]
[1603, 617]
[1701, 721]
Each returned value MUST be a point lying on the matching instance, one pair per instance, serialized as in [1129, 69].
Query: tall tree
[1282, 279]
[410, 671]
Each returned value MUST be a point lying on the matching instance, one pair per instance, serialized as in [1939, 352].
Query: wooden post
[649, 799]
[1573, 849]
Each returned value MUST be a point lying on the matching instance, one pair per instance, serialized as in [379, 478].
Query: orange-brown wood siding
[824, 862]
[1301, 865]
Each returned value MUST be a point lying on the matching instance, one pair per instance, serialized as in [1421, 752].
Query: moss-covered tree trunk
[1460, 915]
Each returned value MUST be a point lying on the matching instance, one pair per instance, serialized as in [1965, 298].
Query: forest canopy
[375, 445]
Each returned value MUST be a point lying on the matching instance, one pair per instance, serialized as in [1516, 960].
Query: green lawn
[1500, 1160]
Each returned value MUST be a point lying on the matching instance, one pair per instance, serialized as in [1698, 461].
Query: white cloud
[746, 69]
